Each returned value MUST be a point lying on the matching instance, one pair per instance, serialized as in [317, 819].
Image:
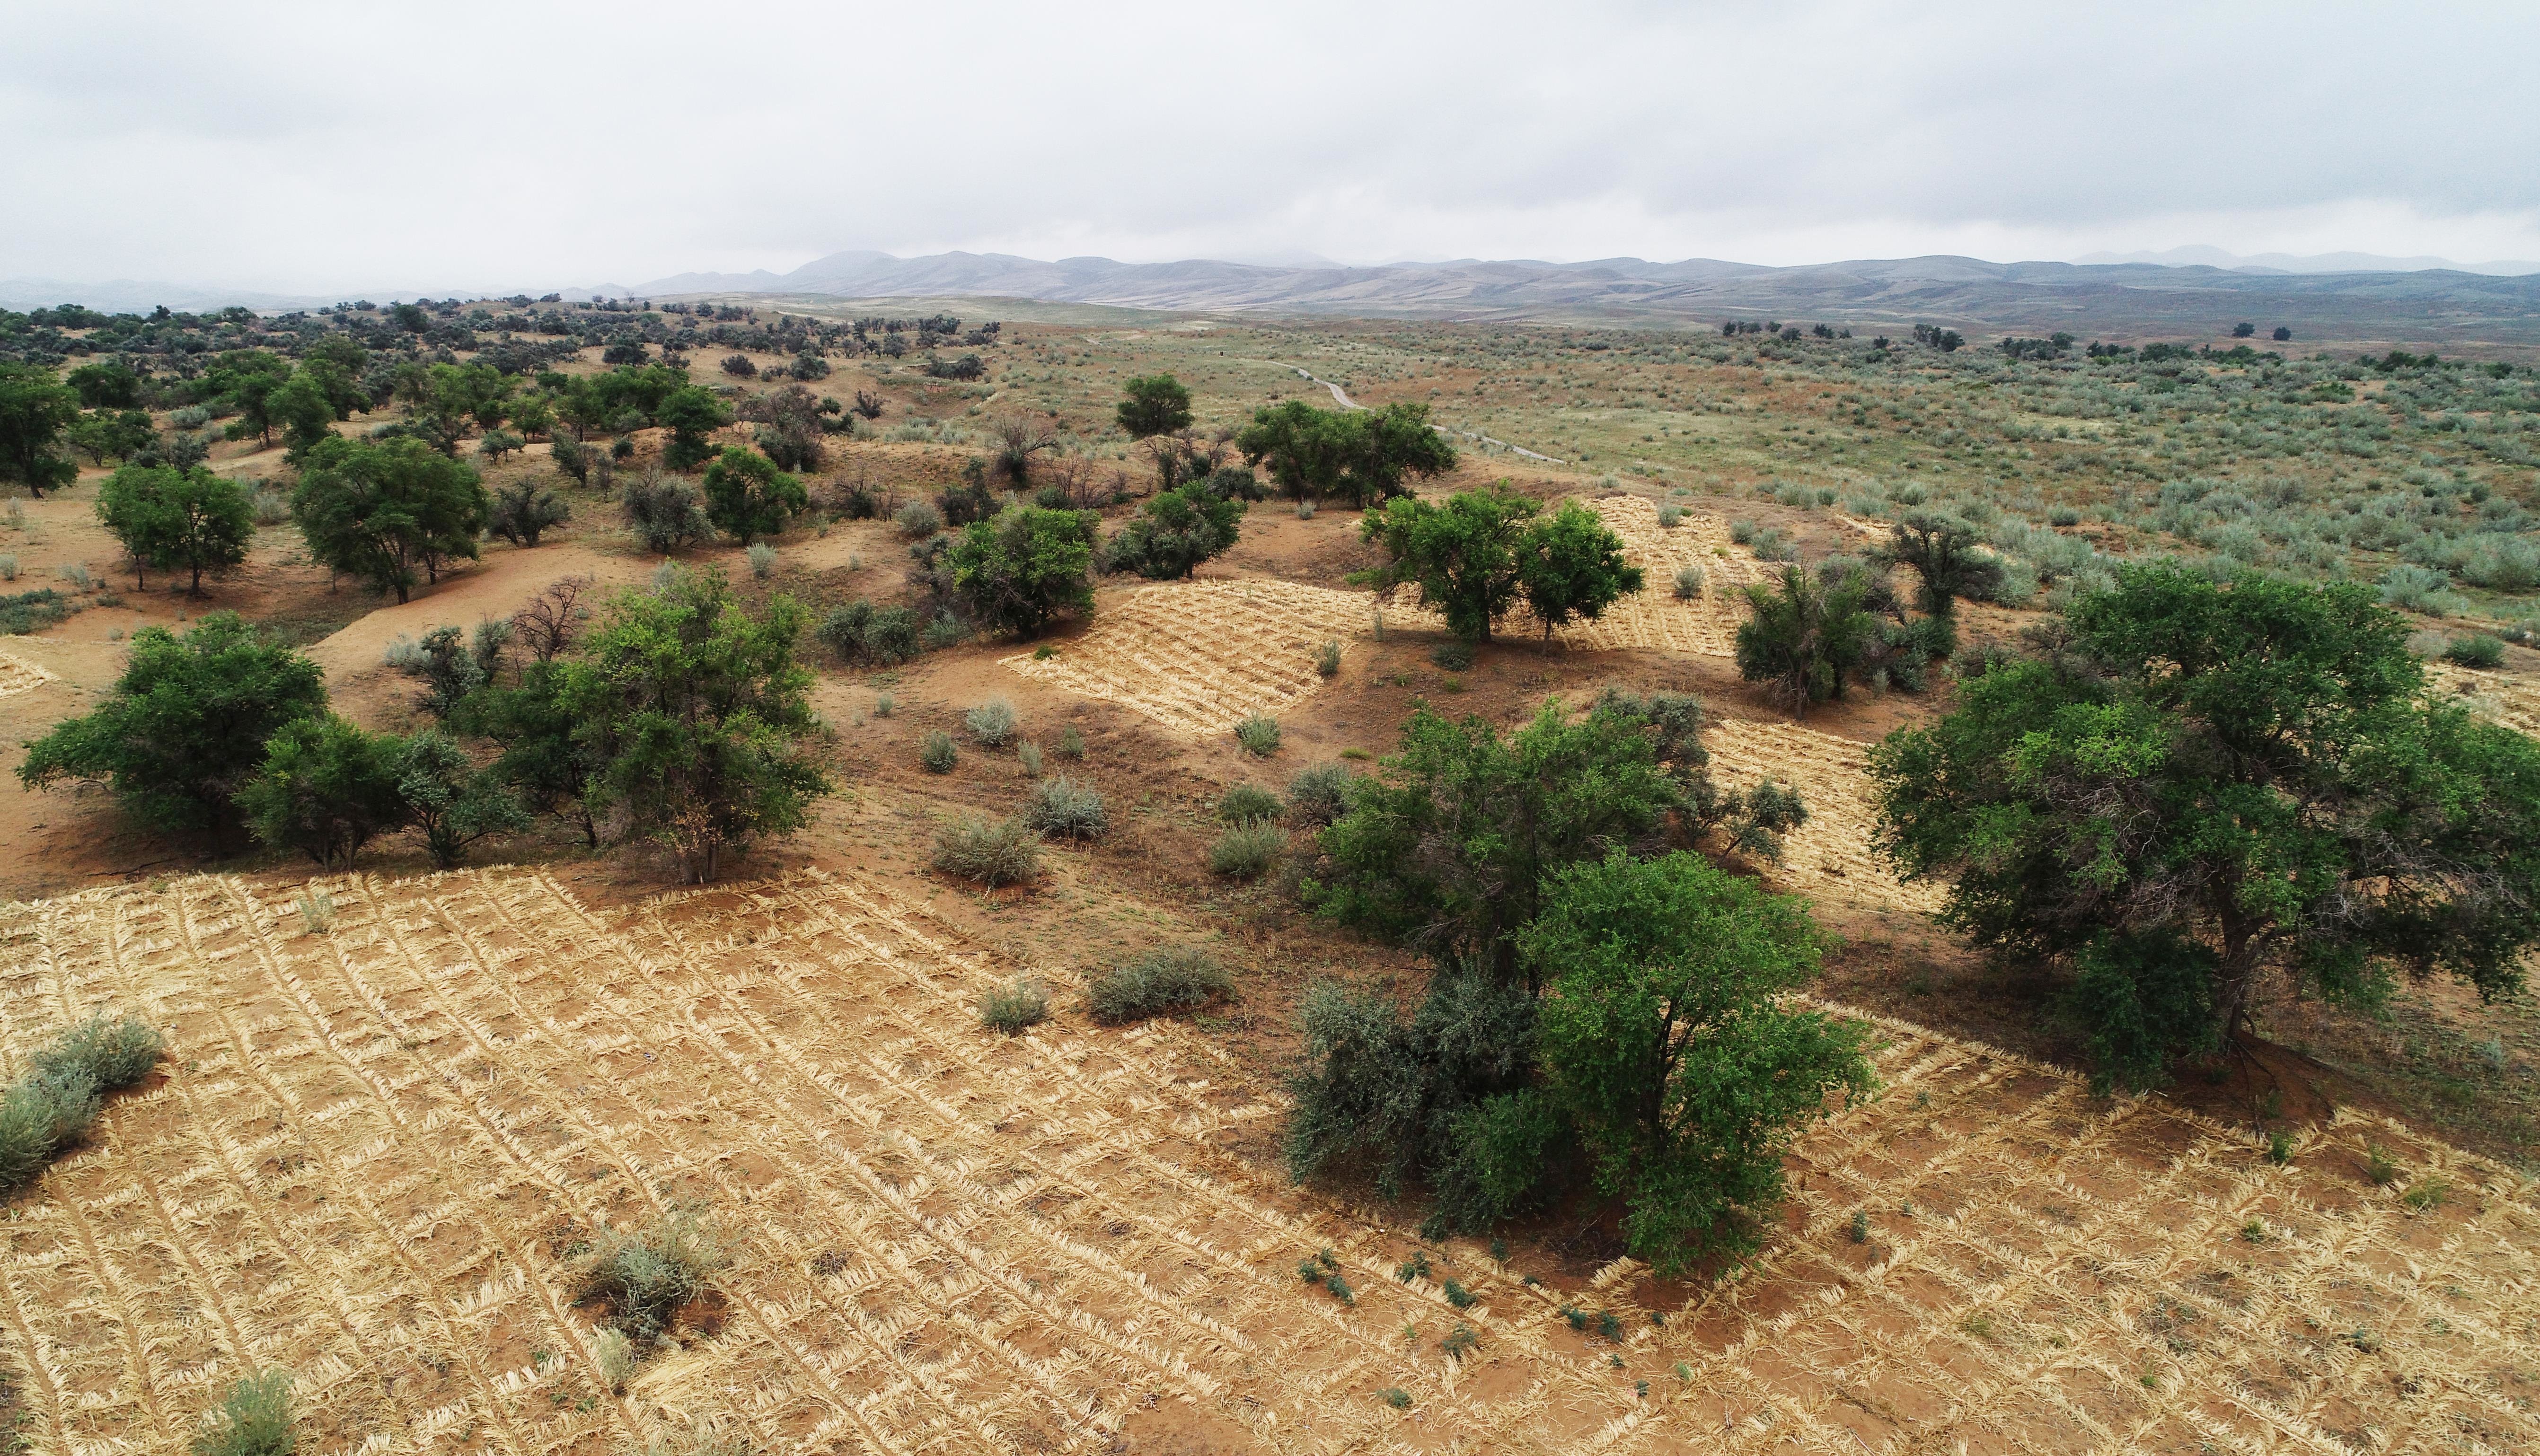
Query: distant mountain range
[2159, 294]
[2198, 256]
[2112, 300]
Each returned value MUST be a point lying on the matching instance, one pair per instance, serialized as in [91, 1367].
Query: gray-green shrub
[937, 752]
[646, 1275]
[1247, 802]
[1259, 736]
[988, 852]
[1062, 806]
[253, 1418]
[1171, 978]
[1245, 850]
[1011, 1007]
[991, 723]
[1320, 792]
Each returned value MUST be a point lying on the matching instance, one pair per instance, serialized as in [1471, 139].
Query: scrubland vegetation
[2140, 631]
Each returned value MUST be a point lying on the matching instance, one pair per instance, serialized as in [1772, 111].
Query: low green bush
[1259, 736]
[988, 852]
[2478, 649]
[1171, 978]
[646, 1275]
[253, 1418]
[1060, 806]
[937, 752]
[1014, 1007]
[1247, 802]
[1320, 794]
[1245, 850]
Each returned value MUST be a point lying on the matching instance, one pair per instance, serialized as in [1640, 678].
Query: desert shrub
[40, 1115]
[253, 1418]
[1062, 806]
[762, 561]
[988, 852]
[1259, 734]
[1742, 532]
[937, 752]
[860, 632]
[1688, 583]
[739, 365]
[919, 519]
[1670, 516]
[1245, 850]
[1245, 804]
[617, 1356]
[1014, 1007]
[1327, 658]
[2501, 563]
[664, 512]
[1023, 569]
[942, 632]
[992, 723]
[1320, 794]
[1171, 978]
[1455, 656]
[1028, 755]
[646, 1275]
[2417, 588]
[2477, 650]
[110, 1053]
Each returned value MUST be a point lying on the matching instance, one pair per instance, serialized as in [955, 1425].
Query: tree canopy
[1361, 455]
[189, 519]
[1174, 531]
[186, 723]
[1020, 570]
[35, 409]
[748, 497]
[1465, 556]
[327, 788]
[1803, 636]
[1571, 566]
[2205, 784]
[378, 510]
[1153, 404]
[691, 413]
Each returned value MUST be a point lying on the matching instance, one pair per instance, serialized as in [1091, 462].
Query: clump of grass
[988, 852]
[1320, 794]
[1028, 755]
[1170, 978]
[992, 723]
[1460, 1297]
[2279, 1147]
[40, 1115]
[646, 1275]
[1577, 1317]
[1459, 1342]
[1669, 514]
[1327, 658]
[617, 1357]
[2254, 1231]
[253, 1418]
[1060, 806]
[1455, 656]
[112, 1052]
[2429, 1192]
[1398, 1398]
[1245, 850]
[1070, 743]
[1861, 1225]
[2379, 1166]
[1259, 734]
[1608, 1326]
[1014, 1006]
[1414, 1268]
[1245, 804]
[886, 705]
[1978, 1325]
[937, 753]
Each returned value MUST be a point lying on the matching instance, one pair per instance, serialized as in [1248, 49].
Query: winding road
[1344, 401]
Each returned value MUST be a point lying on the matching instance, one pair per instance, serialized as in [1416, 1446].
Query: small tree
[1462, 555]
[1946, 558]
[1571, 565]
[189, 521]
[1153, 404]
[691, 414]
[748, 497]
[450, 800]
[326, 789]
[300, 406]
[1305, 449]
[107, 386]
[522, 511]
[186, 724]
[547, 763]
[1665, 1042]
[1174, 531]
[1024, 569]
[248, 380]
[1389, 446]
[1801, 637]
[375, 510]
[35, 409]
[694, 715]
[664, 512]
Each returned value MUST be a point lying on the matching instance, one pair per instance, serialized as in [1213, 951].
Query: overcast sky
[458, 145]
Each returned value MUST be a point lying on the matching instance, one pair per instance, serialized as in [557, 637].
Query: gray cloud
[461, 145]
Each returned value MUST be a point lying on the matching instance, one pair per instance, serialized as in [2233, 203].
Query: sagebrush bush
[919, 519]
[945, 631]
[1320, 794]
[1259, 736]
[1246, 803]
[762, 560]
[1688, 583]
[1014, 1007]
[111, 1052]
[253, 1418]
[1062, 806]
[988, 852]
[646, 1275]
[1071, 742]
[664, 512]
[2478, 649]
[1171, 978]
[937, 753]
[991, 723]
[1028, 755]
[1245, 850]
[40, 1115]
[1327, 658]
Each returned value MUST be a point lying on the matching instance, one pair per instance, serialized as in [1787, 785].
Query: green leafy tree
[118, 435]
[2206, 786]
[189, 521]
[1663, 1040]
[35, 409]
[1803, 637]
[454, 803]
[306, 414]
[691, 414]
[695, 714]
[326, 789]
[1946, 558]
[1465, 555]
[378, 510]
[548, 764]
[1444, 848]
[1023, 569]
[186, 723]
[748, 497]
[1570, 565]
[247, 379]
[1174, 531]
[1153, 404]
[1389, 446]
[1305, 449]
[107, 386]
